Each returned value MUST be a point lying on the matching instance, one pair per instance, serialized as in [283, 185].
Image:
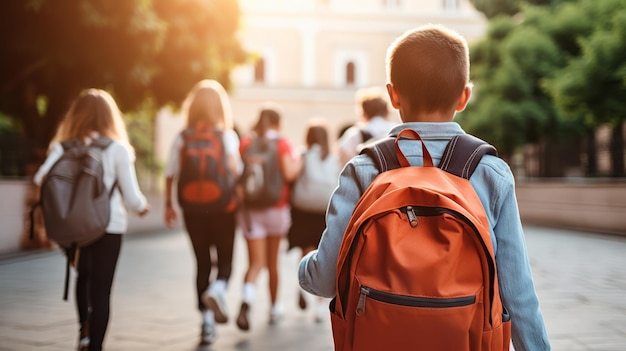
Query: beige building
[310, 56]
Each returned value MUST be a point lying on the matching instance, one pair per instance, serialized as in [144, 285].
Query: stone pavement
[580, 278]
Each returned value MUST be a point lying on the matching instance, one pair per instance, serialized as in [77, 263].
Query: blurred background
[549, 84]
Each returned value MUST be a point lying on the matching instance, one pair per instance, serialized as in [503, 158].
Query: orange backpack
[416, 268]
[204, 184]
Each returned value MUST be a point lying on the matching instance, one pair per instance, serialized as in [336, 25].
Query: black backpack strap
[365, 135]
[383, 153]
[463, 154]
[460, 158]
[70, 255]
[68, 144]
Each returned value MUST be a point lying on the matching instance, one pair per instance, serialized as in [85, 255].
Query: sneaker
[83, 344]
[83, 339]
[242, 320]
[276, 315]
[301, 301]
[217, 303]
[208, 334]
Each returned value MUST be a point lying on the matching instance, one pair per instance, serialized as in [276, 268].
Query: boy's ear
[394, 98]
[465, 97]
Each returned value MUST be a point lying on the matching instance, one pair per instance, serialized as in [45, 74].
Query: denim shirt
[495, 185]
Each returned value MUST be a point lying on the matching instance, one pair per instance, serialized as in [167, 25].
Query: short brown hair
[429, 68]
[372, 102]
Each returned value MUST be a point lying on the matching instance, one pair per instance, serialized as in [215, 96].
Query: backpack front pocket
[387, 321]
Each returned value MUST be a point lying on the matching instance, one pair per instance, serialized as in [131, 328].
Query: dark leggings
[206, 230]
[96, 268]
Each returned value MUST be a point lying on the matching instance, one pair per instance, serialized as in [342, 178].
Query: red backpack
[416, 268]
[204, 184]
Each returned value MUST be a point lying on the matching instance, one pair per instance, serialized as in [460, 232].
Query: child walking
[428, 83]
[93, 114]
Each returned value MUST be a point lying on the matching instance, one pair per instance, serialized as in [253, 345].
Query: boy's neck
[435, 117]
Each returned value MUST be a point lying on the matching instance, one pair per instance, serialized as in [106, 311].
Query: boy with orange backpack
[429, 257]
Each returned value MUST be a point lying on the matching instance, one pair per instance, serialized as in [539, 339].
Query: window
[259, 71]
[350, 73]
[350, 67]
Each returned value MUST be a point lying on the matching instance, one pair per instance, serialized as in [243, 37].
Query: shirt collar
[430, 130]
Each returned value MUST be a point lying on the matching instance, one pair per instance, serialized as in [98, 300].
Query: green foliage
[493, 8]
[7, 126]
[140, 125]
[592, 86]
[509, 107]
[549, 72]
[136, 49]
[200, 43]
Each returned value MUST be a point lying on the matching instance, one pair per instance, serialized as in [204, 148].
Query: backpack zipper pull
[412, 217]
[360, 307]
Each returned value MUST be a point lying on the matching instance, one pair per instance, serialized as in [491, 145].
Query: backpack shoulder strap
[102, 142]
[463, 154]
[460, 158]
[383, 153]
[68, 144]
[365, 135]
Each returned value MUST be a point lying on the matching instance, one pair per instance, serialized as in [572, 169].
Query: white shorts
[259, 224]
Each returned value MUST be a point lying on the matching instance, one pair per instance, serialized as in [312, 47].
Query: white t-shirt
[349, 143]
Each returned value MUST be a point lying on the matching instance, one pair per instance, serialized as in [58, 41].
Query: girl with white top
[310, 194]
[94, 113]
[207, 107]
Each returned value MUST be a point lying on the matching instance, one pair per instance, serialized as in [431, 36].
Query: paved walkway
[581, 281]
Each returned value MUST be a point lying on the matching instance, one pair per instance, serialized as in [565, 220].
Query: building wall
[590, 205]
[306, 46]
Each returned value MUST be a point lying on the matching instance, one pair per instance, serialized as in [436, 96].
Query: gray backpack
[73, 198]
[261, 179]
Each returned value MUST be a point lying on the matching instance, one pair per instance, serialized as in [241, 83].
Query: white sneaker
[276, 315]
[217, 303]
[83, 343]
[208, 334]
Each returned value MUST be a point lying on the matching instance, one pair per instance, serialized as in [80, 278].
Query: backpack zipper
[412, 217]
[409, 301]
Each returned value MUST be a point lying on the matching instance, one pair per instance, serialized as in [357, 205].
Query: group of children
[298, 214]
[428, 83]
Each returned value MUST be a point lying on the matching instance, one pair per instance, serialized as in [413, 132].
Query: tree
[136, 49]
[494, 8]
[509, 107]
[551, 73]
[592, 86]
